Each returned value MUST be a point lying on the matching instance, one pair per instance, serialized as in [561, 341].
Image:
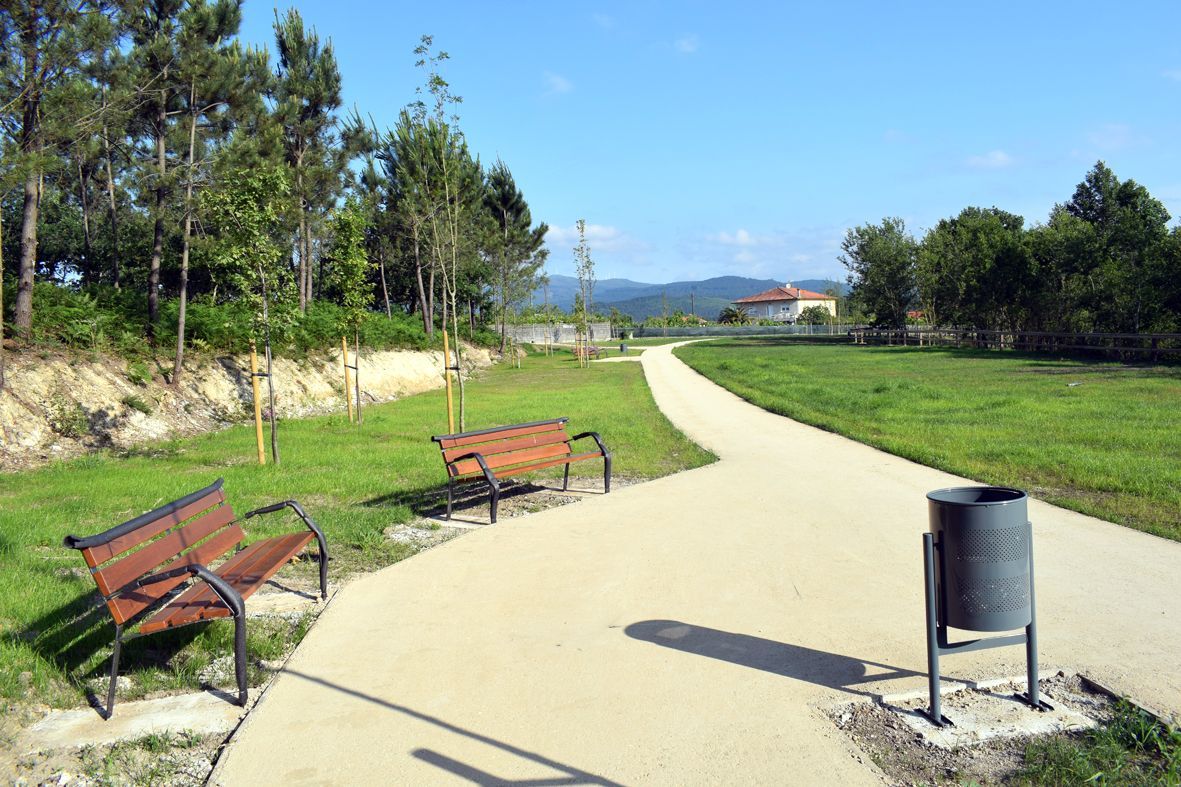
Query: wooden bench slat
[512, 431]
[97, 555]
[246, 572]
[504, 446]
[127, 605]
[504, 472]
[135, 565]
[467, 466]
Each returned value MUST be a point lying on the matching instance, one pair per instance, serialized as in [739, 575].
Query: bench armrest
[311, 525]
[488, 476]
[595, 436]
[230, 597]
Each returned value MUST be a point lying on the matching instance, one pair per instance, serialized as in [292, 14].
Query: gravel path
[691, 630]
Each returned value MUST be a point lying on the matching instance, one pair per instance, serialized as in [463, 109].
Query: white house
[785, 303]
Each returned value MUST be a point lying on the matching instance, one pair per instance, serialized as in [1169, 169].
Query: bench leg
[114, 672]
[494, 501]
[606, 473]
[450, 496]
[323, 570]
[566, 478]
[240, 656]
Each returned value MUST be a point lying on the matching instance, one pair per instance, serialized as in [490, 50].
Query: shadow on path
[831, 670]
[570, 774]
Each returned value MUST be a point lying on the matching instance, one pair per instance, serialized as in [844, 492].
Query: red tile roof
[786, 294]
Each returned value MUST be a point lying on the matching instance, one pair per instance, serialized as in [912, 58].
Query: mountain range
[641, 300]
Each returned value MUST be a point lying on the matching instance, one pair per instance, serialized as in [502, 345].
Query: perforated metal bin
[982, 557]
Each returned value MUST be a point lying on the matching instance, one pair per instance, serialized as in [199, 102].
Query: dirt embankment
[56, 406]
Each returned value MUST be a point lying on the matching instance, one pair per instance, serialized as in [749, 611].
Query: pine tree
[306, 93]
[515, 248]
[43, 43]
[216, 74]
[155, 27]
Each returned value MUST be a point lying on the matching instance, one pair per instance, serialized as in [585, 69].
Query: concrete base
[985, 711]
[204, 714]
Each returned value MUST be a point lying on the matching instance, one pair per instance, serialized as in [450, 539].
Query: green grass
[1133, 748]
[1100, 438]
[354, 481]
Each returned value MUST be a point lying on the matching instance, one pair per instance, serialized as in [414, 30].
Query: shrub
[136, 403]
[139, 373]
[66, 417]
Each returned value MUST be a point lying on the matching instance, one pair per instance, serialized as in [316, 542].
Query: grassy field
[1100, 438]
[354, 481]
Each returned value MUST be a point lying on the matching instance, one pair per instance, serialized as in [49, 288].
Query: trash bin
[623, 348]
[983, 562]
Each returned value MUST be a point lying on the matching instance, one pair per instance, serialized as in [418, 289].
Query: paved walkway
[691, 630]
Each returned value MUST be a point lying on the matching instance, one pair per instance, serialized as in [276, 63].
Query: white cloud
[604, 21]
[600, 238]
[686, 44]
[784, 255]
[993, 159]
[1172, 73]
[556, 84]
[739, 238]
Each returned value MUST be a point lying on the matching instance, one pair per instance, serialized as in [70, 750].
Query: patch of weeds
[154, 759]
[1133, 748]
[137, 403]
[66, 417]
[139, 373]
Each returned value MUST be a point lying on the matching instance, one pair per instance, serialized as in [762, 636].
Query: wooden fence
[1124, 346]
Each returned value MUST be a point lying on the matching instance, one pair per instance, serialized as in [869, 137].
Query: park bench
[589, 352]
[140, 565]
[492, 454]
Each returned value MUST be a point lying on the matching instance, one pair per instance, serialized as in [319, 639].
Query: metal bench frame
[224, 591]
[490, 475]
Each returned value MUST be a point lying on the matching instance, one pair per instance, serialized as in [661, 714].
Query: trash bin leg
[1031, 667]
[935, 712]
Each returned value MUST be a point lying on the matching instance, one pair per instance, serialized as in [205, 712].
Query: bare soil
[907, 757]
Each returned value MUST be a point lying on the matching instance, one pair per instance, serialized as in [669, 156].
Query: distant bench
[133, 585]
[589, 352]
[492, 454]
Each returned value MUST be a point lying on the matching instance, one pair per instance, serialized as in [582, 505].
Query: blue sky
[708, 139]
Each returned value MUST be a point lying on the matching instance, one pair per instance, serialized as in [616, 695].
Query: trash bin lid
[976, 495]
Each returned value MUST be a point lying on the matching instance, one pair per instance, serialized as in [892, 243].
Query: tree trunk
[384, 290]
[357, 373]
[428, 319]
[88, 272]
[158, 230]
[178, 363]
[111, 198]
[28, 261]
[303, 233]
[458, 365]
[266, 327]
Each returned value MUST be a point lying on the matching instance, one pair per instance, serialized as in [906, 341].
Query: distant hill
[647, 306]
[563, 288]
[705, 298]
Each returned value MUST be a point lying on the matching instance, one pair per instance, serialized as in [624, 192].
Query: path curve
[690, 630]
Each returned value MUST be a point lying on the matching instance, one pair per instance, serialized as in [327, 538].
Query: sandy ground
[692, 630]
